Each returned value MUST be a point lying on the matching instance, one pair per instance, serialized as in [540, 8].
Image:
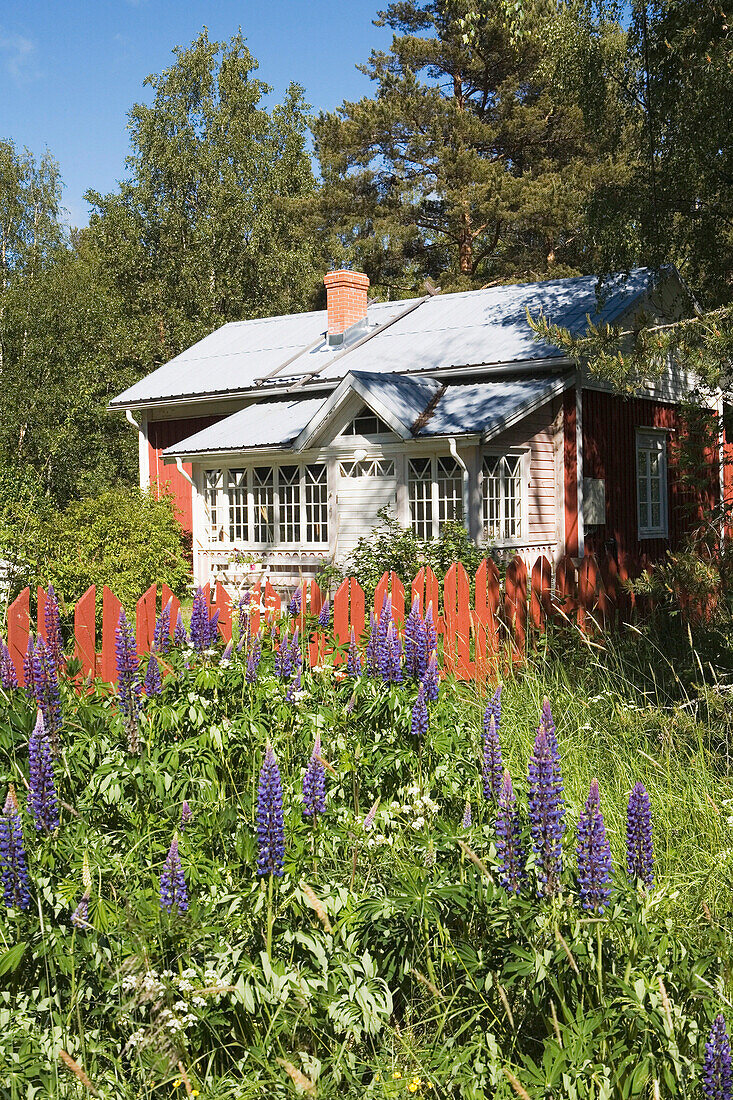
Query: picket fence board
[85, 632]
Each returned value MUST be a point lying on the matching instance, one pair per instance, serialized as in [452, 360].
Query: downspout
[454, 452]
[179, 467]
[142, 451]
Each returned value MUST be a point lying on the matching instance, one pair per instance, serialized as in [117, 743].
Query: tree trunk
[465, 243]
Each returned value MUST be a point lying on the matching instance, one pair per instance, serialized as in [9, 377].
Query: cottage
[283, 437]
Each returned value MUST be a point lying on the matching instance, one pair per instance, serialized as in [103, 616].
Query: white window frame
[524, 456]
[435, 497]
[211, 537]
[652, 441]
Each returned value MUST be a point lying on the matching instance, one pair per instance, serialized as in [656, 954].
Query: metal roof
[265, 424]
[487, 408]
[471, 328]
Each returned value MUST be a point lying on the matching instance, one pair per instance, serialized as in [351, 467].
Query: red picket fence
[479, 638]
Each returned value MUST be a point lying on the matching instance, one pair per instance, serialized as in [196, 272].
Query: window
[450, 491]
[316, 504]
[263, 493]
[651, 482]
[237, 494]
[366, 423]
[420, 495]
[213, 482]
[368, 467]
[288, 482]
[501, 491]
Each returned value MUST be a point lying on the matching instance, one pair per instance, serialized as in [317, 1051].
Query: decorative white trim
[649, 532]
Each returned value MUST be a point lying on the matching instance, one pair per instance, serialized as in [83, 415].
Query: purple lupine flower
[44, 686]
[296, 657]
[227, 652]
[384, 654]
[431, 680]
[548, 722]
[42, 802]
[594, 854]
[153, 680]
[244, 618]
[314, 783]
[186, 815]
[371, 817]
[494, 707]
[295, 684]
[180, 637]
[372, 653]
[412, 626]
[717, 1078]
[200, 621]
[467, 819]
[639, 847]
[282, 652]
[212, 631]
[162, 632]
[419, 722]
[13, 861]
[546, 812]
[353, 663]
[128, 679]
[296, 602]
[512, 857]
[349, 708]
[253, 659]
[52, 622]
[431, 636]
[390, 657]
[385, 620]
[28, 669]
[173, 892]
[492, 769]
[421, 650]
[270, 827]
[80, 916]
[8, 675]
[324, 617]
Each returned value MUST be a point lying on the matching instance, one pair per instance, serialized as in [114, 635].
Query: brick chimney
[346, 300]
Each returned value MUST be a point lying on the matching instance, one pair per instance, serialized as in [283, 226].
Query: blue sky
[70, 70]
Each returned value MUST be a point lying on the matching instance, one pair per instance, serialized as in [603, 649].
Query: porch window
[237, 494]
[263, 492]
[450, 491]
[368, 467]
[213, 482]
[316, 503]
[420, 495]
[288, 483]
[651, 481]
[267, 505]
[366, 423]
[501, 491]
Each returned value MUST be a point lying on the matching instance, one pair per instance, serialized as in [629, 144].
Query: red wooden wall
[162, 434]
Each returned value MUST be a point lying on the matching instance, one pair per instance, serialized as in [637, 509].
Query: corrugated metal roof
[405, 396]
[265, 424]
[486, 407]
[447, 330]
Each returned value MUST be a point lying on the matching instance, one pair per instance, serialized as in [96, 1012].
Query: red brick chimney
[346, 300]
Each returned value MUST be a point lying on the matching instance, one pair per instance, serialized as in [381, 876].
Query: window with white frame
[434, 493]
[366, 423]
[501, 493]
[368, 467]
[450, 491]
[267, 505]
[651, 484]
[420, 495]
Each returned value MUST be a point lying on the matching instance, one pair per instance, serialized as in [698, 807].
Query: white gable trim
[336, 401]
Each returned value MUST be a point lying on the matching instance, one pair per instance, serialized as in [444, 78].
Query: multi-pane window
[450, 491]
[651, 480]
[420, 495]
[366, 423]
[316, 504]
[288, 482]
[213, 482]
[263, 500]
[237, 497]
[502, 497]
[368, 467]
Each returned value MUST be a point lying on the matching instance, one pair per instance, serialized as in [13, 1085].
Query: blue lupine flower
[421, 650]
[467, 817]
[227, 652]
[594, 854]
[186, 815]
[212, 630]
[13, 861]
[639, 847]
[391, 658]
[153, 680]
[385, 621]
[494, 707]
[128, 680]
[173, 892]
[28, 669]
[419, 723]
[413, 623]
[431, 679]
[371, 816]
[546, 811]
[8, 675]
[200, 622]
[431, 637]
[512, 857]
[42, 802]
[253, 659]
[80, 916]
[324, 617]
[548, 722]
[717, 1079]
[314, 783]
[52, 622]
[295, 684]
[270, 827]
[162, 632]
[353, 663]
[179, 634]
[44, 686]
[492, 770]
[296, 603]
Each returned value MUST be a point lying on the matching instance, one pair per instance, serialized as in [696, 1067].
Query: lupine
[199, 622]
[253, 659]
[419, 723]
[324, 617]
[28, 671]
[412, 626]
[421, 650]
[548, 722]
[186, 815]
[42, 802]
[594, 854]
[512, 857]
[467, 818]
[13, 861]
[45, 689]
[52, 622]
[717, 1078]
[639, 846]
[153, 680]
[270, 827]
[371, 655]
[492, 769]
[546, 811]
[128, 680]
[371, 817]
[80, 916]
[390, 662]
[295, 684]
[296, 602]
[295, 655]
[162, 632]
[227, 652]
[280, 654]
[314, 783]
[173, 892]
[385, 621]
[431, 636]
[8, 675]
[353, 663]
[179, 634]
[432, 678]
[243, 617]
[494, 707]
[212, 630]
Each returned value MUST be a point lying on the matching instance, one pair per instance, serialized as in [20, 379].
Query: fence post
[541, 593]
[19, 629]
[379, 593]
[145, 610]
[341, 617]
[111, 608]
[223, 604]
[487, 601]
[398, 599]
[85, 632]
[417, 588]
[515, 605]
[565, 589]
[587, 582]
[357, 602]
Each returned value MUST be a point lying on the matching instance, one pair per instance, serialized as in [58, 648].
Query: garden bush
[389, 959]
